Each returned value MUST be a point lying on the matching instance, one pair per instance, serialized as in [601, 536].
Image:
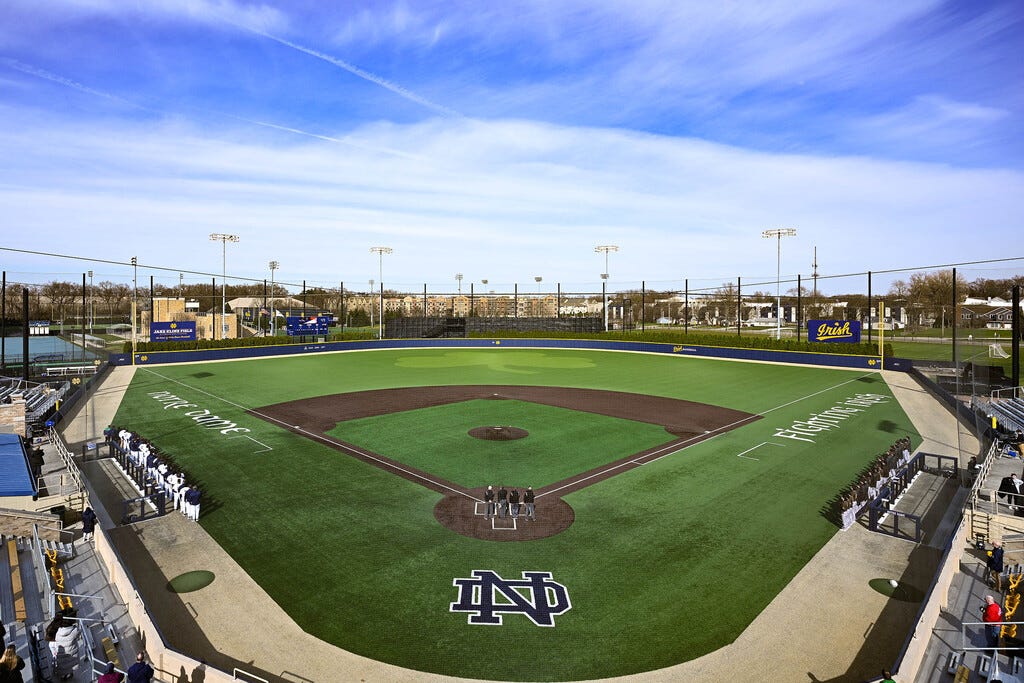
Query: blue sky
[506, 140]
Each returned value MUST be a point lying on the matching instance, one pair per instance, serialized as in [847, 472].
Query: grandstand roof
[15, 475]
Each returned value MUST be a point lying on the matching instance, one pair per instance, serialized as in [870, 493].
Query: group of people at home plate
[506, 503]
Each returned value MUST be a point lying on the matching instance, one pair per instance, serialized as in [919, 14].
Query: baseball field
[675, 496]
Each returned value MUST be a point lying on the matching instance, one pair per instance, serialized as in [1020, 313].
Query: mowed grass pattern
[561, 442]
[355, 556]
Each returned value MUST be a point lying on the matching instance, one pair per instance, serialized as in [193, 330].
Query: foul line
[681, 445]
[340, 445]
[671, 449]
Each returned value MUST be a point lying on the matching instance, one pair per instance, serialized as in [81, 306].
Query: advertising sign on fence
[846, 331]
[174, 331]
[314, 325]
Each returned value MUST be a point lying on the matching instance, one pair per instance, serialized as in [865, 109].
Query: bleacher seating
[1009, 412]
[20, 610]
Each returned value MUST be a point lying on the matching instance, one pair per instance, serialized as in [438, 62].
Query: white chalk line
[718, 431]
[763, 443]
[340, 445]
[671, 449]
[265, 446]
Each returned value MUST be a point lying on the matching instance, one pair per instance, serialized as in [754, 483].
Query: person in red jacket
[992, 615]
[110, 675]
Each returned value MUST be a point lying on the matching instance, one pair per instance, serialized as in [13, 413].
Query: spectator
[887, 676]
[11, 665]
[995, 566]
[1012, 488]
[88, 523]
[140, 671]
[992, 615]
[62, 634]
[110, 675]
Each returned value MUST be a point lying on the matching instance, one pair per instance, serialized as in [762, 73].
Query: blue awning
[15, 474]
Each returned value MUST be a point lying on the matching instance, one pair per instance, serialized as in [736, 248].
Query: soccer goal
[997, 351]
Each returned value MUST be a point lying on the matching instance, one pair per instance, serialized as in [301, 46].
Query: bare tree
[60, 295]
[113, 296]
[933, 291]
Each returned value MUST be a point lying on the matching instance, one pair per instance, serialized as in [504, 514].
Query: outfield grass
[561, 443]
[356, 557]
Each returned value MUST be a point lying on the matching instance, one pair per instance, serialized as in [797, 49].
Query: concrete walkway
[828, 624]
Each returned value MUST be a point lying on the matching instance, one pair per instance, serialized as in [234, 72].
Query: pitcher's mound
[498, 433]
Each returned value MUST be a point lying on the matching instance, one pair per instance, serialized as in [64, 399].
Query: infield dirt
[462, 509]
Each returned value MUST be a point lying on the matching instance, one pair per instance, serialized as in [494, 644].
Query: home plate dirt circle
[466, 516]
[498, 433]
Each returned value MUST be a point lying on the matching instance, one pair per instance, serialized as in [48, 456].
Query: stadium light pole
[371, 302]
[380, 251]
[778, 234]
[274, 265]
[91, 311]
[458, 278]
[135, 301]
[223, 238]
[605, 249]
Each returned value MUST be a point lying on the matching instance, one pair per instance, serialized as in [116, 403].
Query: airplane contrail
[67, 82]
[361, 73]
[327, 138]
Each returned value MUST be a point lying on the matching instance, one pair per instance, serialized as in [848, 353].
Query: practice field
[684, 521]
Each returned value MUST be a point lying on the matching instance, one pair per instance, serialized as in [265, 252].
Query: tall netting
[954, 321]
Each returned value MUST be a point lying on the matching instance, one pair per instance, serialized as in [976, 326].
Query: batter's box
[501, 524]
[479, 508]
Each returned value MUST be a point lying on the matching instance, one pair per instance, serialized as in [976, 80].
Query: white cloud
[939, 120]
[505, 200]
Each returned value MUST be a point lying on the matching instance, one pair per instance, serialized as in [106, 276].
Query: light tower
[605, 249]
[135, 302]
[223, 238]
[380, 251]
[274, 265]
[778, 234]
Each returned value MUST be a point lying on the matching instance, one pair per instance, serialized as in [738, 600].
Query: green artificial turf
[356, 557]
[561, 442]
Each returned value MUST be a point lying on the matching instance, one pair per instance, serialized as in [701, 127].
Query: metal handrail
[965, 647]
[67, 459]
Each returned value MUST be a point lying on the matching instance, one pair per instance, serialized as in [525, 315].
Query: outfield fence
[760, 355]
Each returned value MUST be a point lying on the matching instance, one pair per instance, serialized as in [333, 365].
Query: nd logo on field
[486, 597]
